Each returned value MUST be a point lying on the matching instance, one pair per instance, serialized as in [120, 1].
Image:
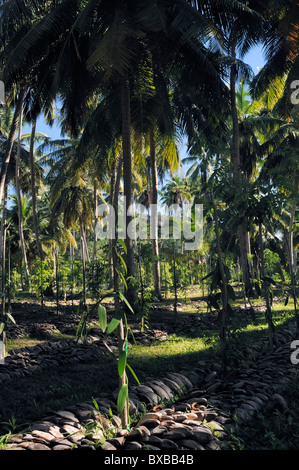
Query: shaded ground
[55, 386]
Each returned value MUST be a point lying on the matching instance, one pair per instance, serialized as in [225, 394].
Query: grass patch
[176, 353]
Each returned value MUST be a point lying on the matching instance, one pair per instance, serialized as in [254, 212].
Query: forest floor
[170, 343]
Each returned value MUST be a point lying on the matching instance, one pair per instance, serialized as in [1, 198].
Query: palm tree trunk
[3, 247]
[83, 264]
[95, 203]
[8, 276]
[242, 229]
[292, 264]
[3, 220]
[33, 193]
[10, 142]
[86, 252]
[127, 177]
[19, 196]
[117, 306]
[3, 272]
[222, 275]
[57, 279]
[111, 201]
[154, 215]
[115, 178]
[271, 331]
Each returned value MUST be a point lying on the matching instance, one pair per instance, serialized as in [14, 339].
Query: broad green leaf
[10, 317]
[122, 398]
[131, 332]
[121, 241]
[2, 325]
[123, 279]
[102, 317]
[122, 361]
[114, 323]
[122, 297]
[123, 262]
[133, 373]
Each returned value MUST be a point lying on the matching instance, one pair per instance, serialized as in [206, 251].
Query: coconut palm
[116, 39]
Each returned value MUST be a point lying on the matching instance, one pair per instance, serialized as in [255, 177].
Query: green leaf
[122, 297]
[123, 262]
[114, 322]
[133, 373]
[130, 330]
[121, 241]
[123, 279]
[122, 361]
[102, 317]
[2, 325]
[10, 317]
[122, 398]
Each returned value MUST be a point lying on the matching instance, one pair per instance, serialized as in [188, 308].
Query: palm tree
[10, 141]
[117, 44]
[280, 43]
[244, 28]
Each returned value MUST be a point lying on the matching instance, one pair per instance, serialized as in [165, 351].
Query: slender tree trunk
[112, 203]
[114, 192]
[292, 263]
[237, 178]
[154, 215]
[86, 252]
[175, 283]
[9, 276]
[127, 177]
[19, 196]
[222, 275]
[141, 284]
[117, 306]
[2, 311]
[83, 264]
[95, 204]
[10, 142]
[3, 220]
[271, 331]
[3, 272]
[33, 193]
[72, 256]
[57, 279]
